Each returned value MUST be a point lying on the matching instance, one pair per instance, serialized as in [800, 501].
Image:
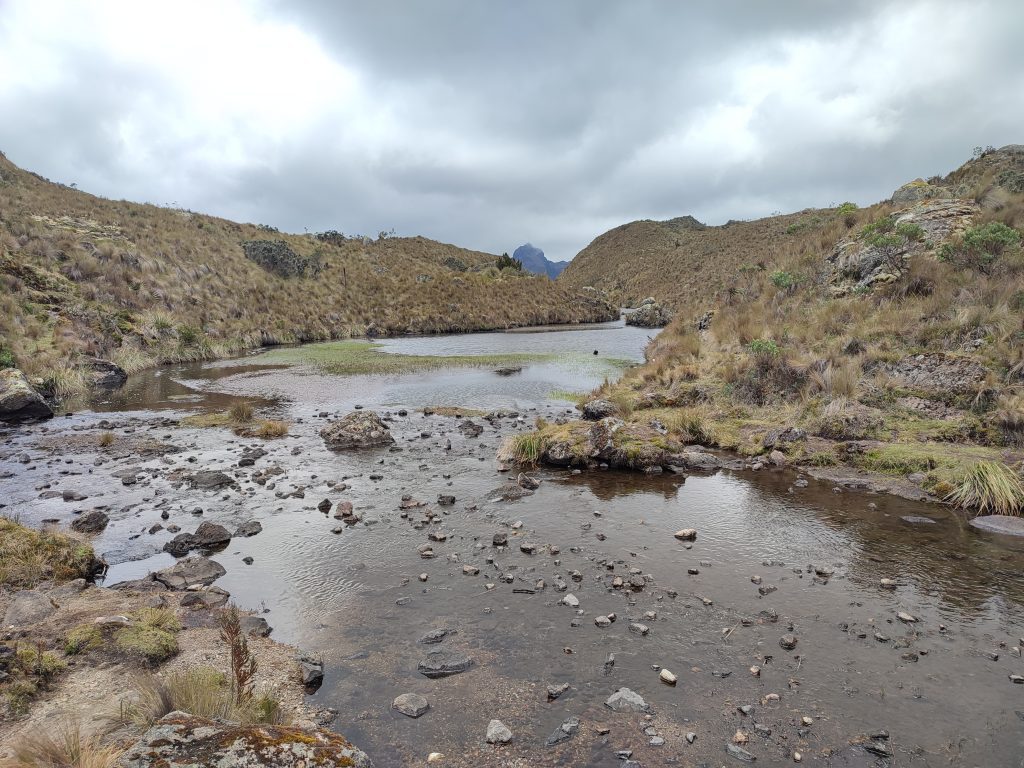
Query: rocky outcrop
[612, 442]
[650, 315]
[947, 377]
[278, 257]
[18, 400]
[595, 410]
[359, 429]
[844, 419]
[190, 572]
[918, 190]
[180, 740]
[861, 261]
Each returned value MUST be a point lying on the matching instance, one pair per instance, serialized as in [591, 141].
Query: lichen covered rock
[359, 429]
[179, 740]
[650, 315]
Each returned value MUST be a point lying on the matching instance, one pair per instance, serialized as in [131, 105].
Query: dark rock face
[18, 400]
[207, 536]
[359, 429]
[105, 374]
[534, 260]
[650, 315]
[179, 740]
[90, 522]
[278, 257]
[595, 410]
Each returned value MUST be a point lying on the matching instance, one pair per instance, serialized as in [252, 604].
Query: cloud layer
[491, 124]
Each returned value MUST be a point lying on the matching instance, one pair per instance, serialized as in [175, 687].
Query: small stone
[470, 570]
[887, 584]
[602, 621]
[423, 577]
[498, 733]
[807, 720]
[797, 757]
[554, 691]
[640, 629]
[788, 642]
[571, 600]
[686, 534]
[906, 618]
[667, 677]
[691, 737]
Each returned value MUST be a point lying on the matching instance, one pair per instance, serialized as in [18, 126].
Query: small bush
[507, 262]
[783, 280]
[7, 358]
[764, 349]
[980, 247]
[989, 487]
[910, 231]
[188, 335]
[106, 439]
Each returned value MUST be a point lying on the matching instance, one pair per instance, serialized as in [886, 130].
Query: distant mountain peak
[535, 261]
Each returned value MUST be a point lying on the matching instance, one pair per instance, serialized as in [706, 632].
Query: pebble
[571, 600]
[686, 534]
[691, 737]
[788, 642]
[554, 691]
[667, 677]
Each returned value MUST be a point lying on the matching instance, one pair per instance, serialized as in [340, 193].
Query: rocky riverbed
[553, 617]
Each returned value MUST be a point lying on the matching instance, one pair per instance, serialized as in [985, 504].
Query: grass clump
[526, 449]
[268, 430]
[63, 747]
[28, 556]
[106, 439]
[989, 487]
[240, 413]
[82, 639]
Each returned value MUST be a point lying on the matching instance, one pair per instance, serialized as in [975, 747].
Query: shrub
[980, 247]
[188, 335]
[106, 439]
[990, 487]
[910, 231]
[7, 358]
[783, 280]
[882, 226]
[764, 349]
[507, 262]
[243, 663]
[848, 213]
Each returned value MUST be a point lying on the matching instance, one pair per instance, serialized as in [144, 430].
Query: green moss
[82, 639]
[150, 643]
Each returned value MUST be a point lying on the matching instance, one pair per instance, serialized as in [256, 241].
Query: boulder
[443, 663]
[207, 480]
[255, 626]
[28, 607]
[105, 374]
[210, 535]
[249, 528]
[179, 739]
[91, 522]
[190, 572]
[650, 315]
[918, 190]
[411, 704]
[18, 400]
[1005, 524]
[359, 429]
[498, 733]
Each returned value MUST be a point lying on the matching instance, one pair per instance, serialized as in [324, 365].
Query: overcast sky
[489, 124]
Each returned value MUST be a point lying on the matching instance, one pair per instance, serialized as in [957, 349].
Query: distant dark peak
[533, 260]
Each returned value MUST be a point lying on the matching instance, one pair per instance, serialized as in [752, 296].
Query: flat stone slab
[917, 520]
[1005, 524]
[411, 704]
[442, 663]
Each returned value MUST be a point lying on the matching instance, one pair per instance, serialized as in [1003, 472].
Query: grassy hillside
[140, 284]
[888, 339]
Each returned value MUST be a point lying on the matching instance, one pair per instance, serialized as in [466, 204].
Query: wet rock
[602, 621]
[207, 480]
[788, 642]
[525, 481]
[434, 636]
[27, 608]
[626, 700]
[105, 374]
[190, 572]
[359, 429]
[917, 520]
[249, 528]
[498, 733]
[18, 400]
[91, 522]
[906, 618]
[509, 492]
[686, 534]
[1005, 524]
[324, 506]
[445, 500]
[470, 429]
[255, 626]
[639, 629]
[595, 410]
[569, 728]
[311, 672]
[443, 663]
[180, 545]
[411, 704]
[570, 600]
[667, 677]
[206, 599]
[500, 539]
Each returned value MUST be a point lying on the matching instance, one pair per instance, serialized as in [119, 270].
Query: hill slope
[883, 343]
[86, 276]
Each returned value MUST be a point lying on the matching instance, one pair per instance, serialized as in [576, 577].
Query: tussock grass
[268, 430]
[240, 413]
[526, 449]
[989, 487]
[201, 691]
[29, 556]
[63, 745]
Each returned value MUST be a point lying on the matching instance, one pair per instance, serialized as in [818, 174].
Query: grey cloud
[493, 124]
